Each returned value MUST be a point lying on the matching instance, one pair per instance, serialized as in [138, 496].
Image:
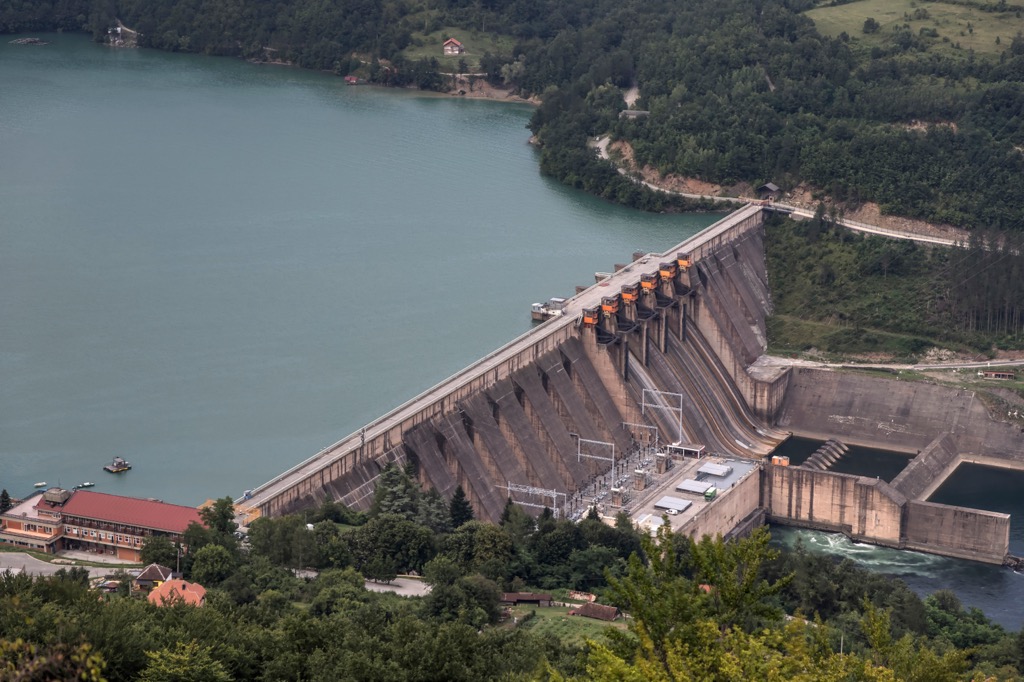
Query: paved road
[774, 361]
[407, 587]
[18, 561]
[601, 144]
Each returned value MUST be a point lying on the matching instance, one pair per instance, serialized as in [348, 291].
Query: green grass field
[948, 20]
[476, 43]
[789, 334]
[555, 621]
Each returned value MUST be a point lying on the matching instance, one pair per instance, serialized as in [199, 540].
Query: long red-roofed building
[118, 525]
[93, 522]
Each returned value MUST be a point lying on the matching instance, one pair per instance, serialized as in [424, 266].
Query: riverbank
[471, 87]
[802, 196]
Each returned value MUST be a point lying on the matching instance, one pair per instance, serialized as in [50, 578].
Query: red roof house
[170, 518]
[175, 591]
[118, 525]
[452, 46]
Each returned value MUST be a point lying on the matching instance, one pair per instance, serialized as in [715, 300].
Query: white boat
[545, 311]
[86, 484]
[41, 484]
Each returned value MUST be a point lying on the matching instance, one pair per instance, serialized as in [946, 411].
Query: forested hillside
[848, 293]
[698, 610]
[738, 90]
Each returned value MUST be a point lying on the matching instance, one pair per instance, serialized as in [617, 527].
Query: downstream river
[215, 269]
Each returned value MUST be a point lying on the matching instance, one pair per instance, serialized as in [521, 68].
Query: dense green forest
[698, 610]
[738, 90]
[844, 292]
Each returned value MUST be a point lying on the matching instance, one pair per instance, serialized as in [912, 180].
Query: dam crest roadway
[665, 351]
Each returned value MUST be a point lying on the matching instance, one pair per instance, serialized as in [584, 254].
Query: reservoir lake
[215, 269]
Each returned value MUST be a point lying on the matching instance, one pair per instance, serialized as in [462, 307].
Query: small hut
[769, 190]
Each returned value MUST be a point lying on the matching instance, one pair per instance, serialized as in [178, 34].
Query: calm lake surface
[215, 269]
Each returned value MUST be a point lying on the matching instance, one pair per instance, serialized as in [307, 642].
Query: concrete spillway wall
[904, 416]
[730, 309]
[871, 510]
[959, 532]
[925, 472]
[730, 508]
[862, 508]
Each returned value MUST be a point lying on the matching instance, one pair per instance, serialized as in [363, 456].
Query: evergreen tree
[460, 510]
[396, 493]
[433, 512]
[5, 501]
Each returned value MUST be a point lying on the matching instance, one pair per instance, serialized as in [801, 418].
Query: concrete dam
[661, 353]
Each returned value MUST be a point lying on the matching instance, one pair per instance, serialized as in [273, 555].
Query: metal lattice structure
[660, 403]
[634, 428]
[608, 447]
[542, 493]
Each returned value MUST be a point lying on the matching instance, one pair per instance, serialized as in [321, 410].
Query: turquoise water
[859, 461]
[215, 269]
[997, 591]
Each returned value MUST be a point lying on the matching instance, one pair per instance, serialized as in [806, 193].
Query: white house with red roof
[452, 46]
[93, 522]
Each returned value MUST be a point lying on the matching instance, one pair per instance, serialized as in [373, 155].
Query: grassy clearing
[476, 43]
[791, 335]
[950, 22]
[555, 621]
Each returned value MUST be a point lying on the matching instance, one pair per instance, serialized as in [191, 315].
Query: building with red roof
[93, 522]
[119, 525]
[452, 46]
[35, 523]
[178, 591]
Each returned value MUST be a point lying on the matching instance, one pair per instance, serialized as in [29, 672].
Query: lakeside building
[34, 523]
[93, 522]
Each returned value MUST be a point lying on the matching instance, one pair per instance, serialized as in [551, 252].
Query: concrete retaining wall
[956, 531]
[862, 508]
[895, 415]
[725, 513]
[929, 469]
[870, 411]
[350, 456]
[873, 511]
